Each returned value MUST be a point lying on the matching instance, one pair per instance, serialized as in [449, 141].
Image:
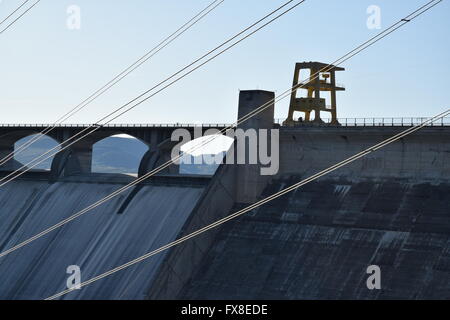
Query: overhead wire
[19, 17]
[136, 64]
[123, 109]
[14, 11]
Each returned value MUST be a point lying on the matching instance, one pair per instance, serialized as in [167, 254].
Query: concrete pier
[250, 182]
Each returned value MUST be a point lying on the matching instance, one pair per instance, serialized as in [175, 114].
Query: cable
[20, 16]
[115, 80]
[76, 215]
[421, 10]
[15, 10]
[168, 163]
[159, 84]
[255, 205]
[161, 45]
[96, 127]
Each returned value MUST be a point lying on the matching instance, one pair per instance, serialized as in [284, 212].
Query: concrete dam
[390, 209]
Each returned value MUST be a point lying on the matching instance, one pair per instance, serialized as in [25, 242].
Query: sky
[47, 68]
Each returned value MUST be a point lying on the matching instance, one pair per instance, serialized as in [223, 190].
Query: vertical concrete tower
[249, 181]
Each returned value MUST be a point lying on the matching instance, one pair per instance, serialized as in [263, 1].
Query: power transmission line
[76, 215]
[344, 58]
[14, 11]
[20, 16]
[28, 166]
[161, 45]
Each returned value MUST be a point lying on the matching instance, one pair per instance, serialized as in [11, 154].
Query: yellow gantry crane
[325, 81]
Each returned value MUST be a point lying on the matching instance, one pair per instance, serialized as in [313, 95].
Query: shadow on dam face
[390, 209]
[317, 242]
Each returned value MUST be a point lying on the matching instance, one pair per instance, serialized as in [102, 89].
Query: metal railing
[347, 122]
[376, 122]
[128, 125]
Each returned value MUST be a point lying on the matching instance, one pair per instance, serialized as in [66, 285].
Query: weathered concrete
[317, 242]
[158, 156]
[183, 260]
[424, 155]
[390, 209]
[230, 184]
[250, 182]
[98, 241]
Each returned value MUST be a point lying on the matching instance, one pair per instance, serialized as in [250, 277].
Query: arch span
[13, 143]
[206, 158]
[78, 158]
[120, 153]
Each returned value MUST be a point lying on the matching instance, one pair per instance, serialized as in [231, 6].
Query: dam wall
[390, 209]
[140, 220]
[423, 155]
[318, 241]
[237, 183]
[182, 261]
[109, 235]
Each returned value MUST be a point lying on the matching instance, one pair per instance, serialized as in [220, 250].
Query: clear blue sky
[47, 69]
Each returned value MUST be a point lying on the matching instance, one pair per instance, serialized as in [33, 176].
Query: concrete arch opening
[120, 153]
[204, 160]
[25, 152]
